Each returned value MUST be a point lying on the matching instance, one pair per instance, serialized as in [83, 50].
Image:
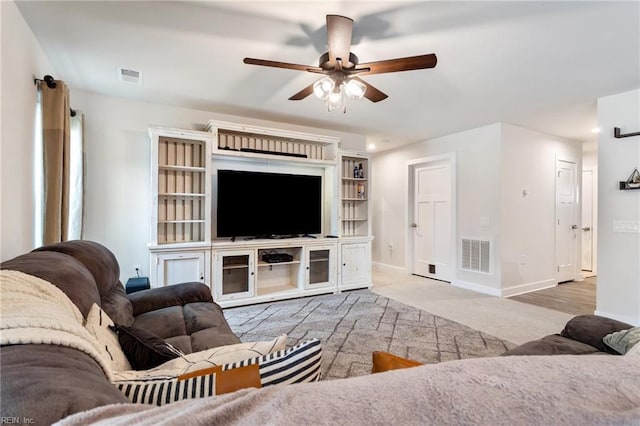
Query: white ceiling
[540, 65]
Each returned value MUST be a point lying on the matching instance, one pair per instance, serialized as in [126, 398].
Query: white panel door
[432, 222]
[566, 220]
[587, 220]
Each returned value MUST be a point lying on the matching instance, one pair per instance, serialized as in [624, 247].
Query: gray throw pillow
[622, 341]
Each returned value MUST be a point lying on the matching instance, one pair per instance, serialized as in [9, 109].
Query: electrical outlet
[137, 270]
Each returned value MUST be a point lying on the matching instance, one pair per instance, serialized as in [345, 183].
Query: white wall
[528, 222]
[118, 167]
[618, 293]
[494, 165]
[478, 172]
[22, 58]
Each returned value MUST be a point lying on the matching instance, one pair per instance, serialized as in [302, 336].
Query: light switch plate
[626, 226]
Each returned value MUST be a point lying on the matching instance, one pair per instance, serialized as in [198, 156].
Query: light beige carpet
[506, 319]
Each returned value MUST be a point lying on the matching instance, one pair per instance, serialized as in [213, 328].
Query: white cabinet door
[320, 269]
[234, 274]
[180, 267]
[355, 269]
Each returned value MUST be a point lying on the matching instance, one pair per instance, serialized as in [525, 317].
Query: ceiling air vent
[476, 255]
[130, 76]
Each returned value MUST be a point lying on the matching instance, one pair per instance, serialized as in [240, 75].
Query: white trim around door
[446, 268]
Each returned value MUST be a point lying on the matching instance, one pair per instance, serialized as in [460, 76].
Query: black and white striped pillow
[298, 364]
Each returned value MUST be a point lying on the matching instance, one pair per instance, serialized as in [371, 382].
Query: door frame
[577, 216]
[412, 165]
[594, 220]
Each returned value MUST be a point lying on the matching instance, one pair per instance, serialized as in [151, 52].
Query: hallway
[574, 297]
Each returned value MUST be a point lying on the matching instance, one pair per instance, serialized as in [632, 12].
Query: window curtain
[59, 197]
[75, 220]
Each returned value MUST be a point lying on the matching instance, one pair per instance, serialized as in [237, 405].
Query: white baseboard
[384, 267]
[478, 288]
[505, 292]
[528, 287]
[623, 318]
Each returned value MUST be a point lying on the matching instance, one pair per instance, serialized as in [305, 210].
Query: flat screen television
[267, 205]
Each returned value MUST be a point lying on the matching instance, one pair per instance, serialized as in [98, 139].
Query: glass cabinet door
[235, 275]
[321, 263]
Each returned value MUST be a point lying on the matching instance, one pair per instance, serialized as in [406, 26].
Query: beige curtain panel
[56, 151]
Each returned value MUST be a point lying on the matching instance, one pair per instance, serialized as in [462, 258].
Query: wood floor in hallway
[574, 297]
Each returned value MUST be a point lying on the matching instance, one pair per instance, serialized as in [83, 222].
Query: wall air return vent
[476, 255]
[130, 76]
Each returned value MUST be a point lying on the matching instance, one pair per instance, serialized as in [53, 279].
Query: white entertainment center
[184, 243]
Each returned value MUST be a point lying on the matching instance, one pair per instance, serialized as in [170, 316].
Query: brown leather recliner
[49, 382]
[185, 315]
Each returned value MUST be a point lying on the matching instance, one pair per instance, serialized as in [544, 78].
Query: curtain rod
[51, 84]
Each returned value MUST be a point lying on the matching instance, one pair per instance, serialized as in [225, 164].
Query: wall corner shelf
[625, 186]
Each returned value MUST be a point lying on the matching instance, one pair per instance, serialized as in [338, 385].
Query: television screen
[257, 204]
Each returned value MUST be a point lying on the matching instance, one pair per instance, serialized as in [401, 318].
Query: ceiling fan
[342, 70]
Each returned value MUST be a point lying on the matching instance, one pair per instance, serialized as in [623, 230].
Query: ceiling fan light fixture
[323, 88]
[336, 100]
[354, 88]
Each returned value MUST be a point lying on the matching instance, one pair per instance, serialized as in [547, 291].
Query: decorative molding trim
[213, 125]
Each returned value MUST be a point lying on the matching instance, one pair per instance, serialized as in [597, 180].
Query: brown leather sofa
[47, 383]
[582, 335]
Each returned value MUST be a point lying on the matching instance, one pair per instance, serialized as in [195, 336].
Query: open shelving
[253, 142]
[281, 276]
[354, 193]
[180, 185]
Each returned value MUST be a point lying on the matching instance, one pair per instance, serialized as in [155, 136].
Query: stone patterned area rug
[351, 325]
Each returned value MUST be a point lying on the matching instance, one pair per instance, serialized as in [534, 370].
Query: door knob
[586, 228]
[574, 226]
[414, 225]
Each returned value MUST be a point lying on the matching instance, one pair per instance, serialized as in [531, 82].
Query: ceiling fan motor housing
[326, 64]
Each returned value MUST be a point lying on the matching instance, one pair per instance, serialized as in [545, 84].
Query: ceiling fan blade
[339, 30]
[400, 64]
[286, 65]
[303, 93]
[373, 94]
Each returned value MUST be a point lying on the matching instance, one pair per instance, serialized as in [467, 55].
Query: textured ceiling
[540, 65]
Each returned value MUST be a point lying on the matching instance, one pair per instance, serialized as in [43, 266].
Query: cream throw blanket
[35, 311]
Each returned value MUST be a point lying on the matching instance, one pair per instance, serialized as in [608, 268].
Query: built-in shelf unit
[184, 245]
